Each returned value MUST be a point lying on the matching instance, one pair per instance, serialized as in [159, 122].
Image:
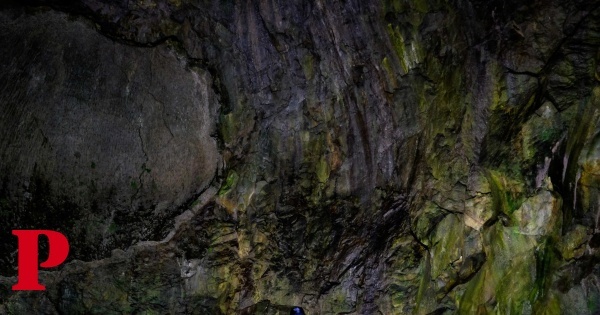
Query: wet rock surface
[379, 157]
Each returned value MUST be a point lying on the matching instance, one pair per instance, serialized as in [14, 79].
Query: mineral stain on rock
[353, 157]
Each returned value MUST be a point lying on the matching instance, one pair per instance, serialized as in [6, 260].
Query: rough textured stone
[378, 157]
[100, 140]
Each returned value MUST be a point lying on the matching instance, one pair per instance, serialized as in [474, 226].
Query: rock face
[102, 141]
[357, 157]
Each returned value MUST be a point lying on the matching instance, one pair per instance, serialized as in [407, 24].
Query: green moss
[507, 193]
[397, 6]
[430, 215]
[549, 134]
[407, 50]
[398, 45]
[448, 240]
[195, 203]
[425, 297]
[583, 126]
[308, 66]
[593, 303]
[228, 128]
[112, 228]
[388, 69]
[545, 259]
[403, 6]
[571, 244]
[420, 5]
[230, 181]
[337, 301]
[472, 297]
[323, 170]
[506, 281]
[549, 306]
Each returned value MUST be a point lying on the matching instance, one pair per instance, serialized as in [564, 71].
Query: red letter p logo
[58, 249]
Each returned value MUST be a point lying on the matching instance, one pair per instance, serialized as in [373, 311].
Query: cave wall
[102, 141]
[351, 157]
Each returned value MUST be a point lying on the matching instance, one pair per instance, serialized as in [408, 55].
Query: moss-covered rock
[352, 157]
